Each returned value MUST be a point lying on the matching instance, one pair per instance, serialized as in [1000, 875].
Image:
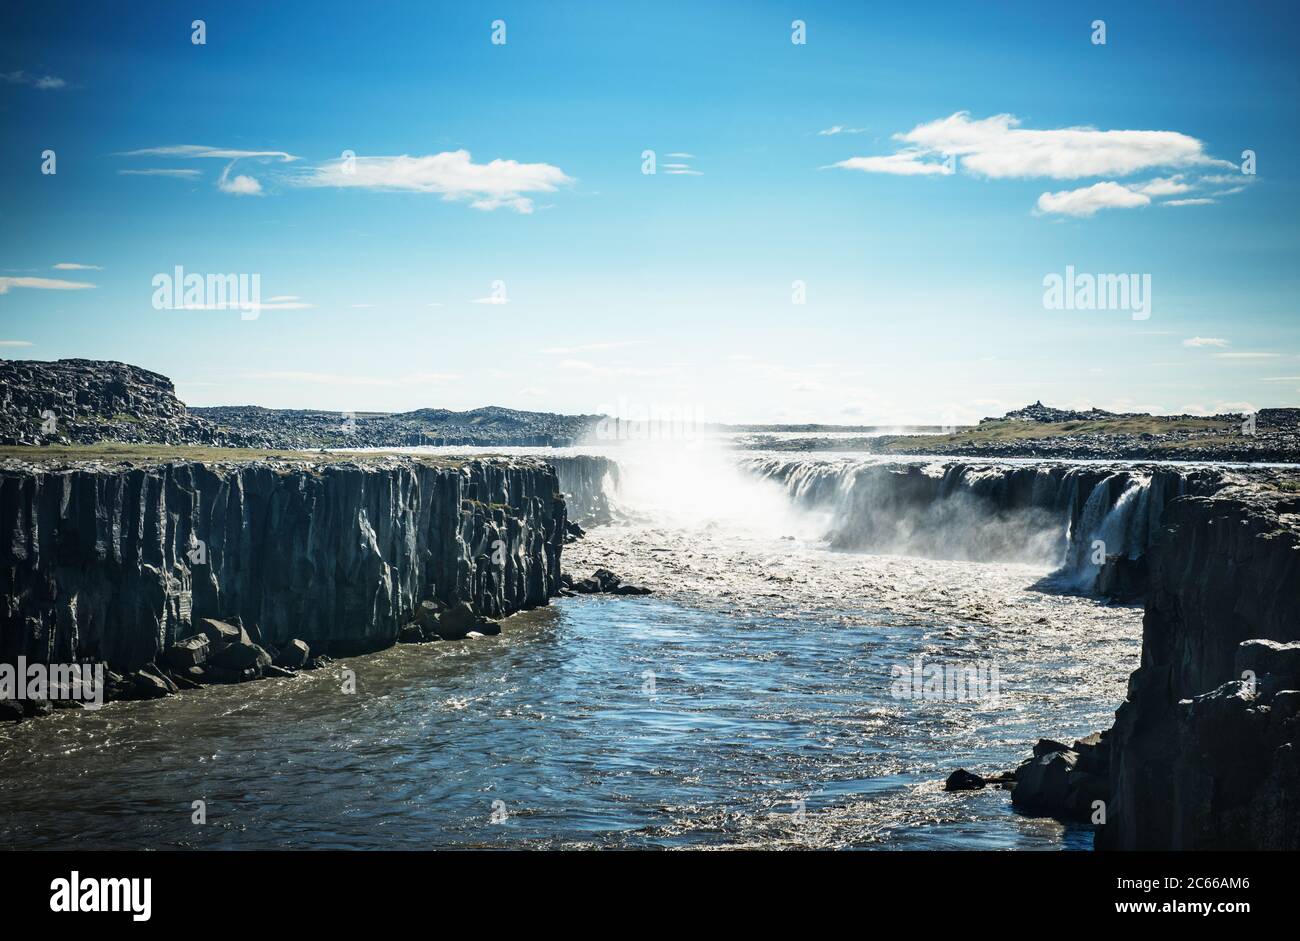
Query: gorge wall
[114, 563]
[1204, 750]
[589, 483]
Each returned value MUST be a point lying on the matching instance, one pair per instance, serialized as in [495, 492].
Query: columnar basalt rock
[115, 563]
[588, 482]
[1204, 750]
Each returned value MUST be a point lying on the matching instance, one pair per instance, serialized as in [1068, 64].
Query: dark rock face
[1204, 749]
[97, 400]
[117, 564]
[491, 426]
[587, 482]
[83, 401]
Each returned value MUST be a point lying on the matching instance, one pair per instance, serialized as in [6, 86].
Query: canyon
[116, 559]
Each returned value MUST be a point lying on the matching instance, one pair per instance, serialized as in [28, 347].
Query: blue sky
[629, 291]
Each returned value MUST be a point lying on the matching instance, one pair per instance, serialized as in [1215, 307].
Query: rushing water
[598, 722]
[748, 703]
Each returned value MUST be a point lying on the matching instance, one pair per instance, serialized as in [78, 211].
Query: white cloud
[681, 156]
[42, 82]
[73, 266]
[201, 151]
[178, 174]
[1281, 379]
[45, 284]
[14, 343]
[1205, 341]
[1246, 357]
[836, 129]
[1087, 200]
[906, 163]
[491, 299]
[999, 148]
[1169, 186]
[451, 174]
[1200, 201]
[240, 185]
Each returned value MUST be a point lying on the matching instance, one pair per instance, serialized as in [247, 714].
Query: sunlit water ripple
[597, 722]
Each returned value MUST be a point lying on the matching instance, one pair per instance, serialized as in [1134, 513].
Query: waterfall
[1047, 514]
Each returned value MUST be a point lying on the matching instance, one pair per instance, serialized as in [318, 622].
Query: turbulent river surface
[750, 702]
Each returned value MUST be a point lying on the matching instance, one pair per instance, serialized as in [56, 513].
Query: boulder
[223, 633]
[1094, 754]
[1042, 783]
[271, 670]
[456, 622]
[242, 657]
[149, 683]
[293, 655]
[410, 634]
[190, 652]
[631, 590]
[11, 710]
[426, 613]
[963, 780]
[213, 673]
[1047, 746]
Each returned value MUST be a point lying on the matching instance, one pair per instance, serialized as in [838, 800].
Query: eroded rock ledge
[115, 562]
[1204, 750]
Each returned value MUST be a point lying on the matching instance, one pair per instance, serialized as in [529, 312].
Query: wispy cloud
[906, 163]
[1205, 341]
[14, 343]
[42, 82]
[201, 151]
[73, 266]
[43, 284]
[451, 174]
[1198, 201]
[836, 129]
[1246, 357]
[180, 174]
[235, 184]
[1089, 199]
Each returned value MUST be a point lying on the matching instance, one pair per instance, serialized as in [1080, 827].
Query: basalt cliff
[1203, 754]
[115, 563]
